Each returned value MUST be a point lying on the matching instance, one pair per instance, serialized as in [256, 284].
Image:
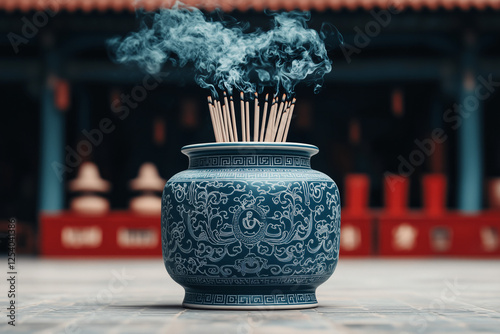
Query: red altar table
[118, 233]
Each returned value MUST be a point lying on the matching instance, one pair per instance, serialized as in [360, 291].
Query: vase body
[250, 225]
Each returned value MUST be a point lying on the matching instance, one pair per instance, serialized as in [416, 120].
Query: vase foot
[285, 301]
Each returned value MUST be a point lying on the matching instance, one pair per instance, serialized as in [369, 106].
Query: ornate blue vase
[250, 226]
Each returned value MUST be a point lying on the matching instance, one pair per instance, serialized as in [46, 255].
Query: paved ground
[363, 296]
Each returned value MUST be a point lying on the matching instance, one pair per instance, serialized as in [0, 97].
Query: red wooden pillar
[357, 222]
[356, 193]
[396, 190]
[434, 193]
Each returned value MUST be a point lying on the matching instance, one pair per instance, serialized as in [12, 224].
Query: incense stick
[219, 125]
[278, 117]
[228, 118]
[289, 120]
[217, 120]
[284, 121]
[233, 116]
[227, 122]
[256, 118]
[270, 123]
[242, 111]
[225, 134]
[247, 116]
[263, 127]
[212, 118]
[273, 127]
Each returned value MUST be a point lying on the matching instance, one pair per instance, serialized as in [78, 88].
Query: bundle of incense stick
[271, 121]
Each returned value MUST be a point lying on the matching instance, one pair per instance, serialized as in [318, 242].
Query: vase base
[215, 301]
[249, 307]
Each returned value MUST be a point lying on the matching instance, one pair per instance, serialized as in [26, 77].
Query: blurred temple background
[407, 124]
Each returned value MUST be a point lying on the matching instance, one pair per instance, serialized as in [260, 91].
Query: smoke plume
[228, 56]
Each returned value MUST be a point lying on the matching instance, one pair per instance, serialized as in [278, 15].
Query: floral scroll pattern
[244, 231]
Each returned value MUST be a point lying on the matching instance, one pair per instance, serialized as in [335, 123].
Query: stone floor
[363, 296]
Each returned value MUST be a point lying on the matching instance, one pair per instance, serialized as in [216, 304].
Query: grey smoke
[228, 56]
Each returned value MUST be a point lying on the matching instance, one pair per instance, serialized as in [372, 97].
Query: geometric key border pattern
[249, 161]
[249, 300]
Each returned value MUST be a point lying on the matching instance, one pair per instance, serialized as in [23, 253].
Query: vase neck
[250, 156]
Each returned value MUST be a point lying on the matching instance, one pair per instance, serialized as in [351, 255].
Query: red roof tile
[244, 5]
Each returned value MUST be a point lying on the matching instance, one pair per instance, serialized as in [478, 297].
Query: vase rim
[288, 146]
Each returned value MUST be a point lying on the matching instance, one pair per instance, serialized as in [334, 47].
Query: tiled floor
[363, 296]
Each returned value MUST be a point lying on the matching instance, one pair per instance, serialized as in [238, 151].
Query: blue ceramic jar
[250, 225]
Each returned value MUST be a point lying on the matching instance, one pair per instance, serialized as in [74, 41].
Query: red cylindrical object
[434, 193]
[62, 94]
[356, 193]
[494, 193]
[396, 194]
